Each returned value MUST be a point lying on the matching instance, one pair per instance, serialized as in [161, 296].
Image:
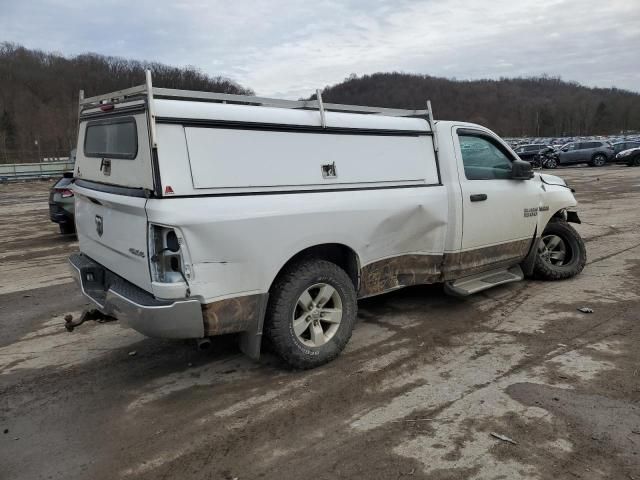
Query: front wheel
[561, 252]
[550, 162]
[311, 313]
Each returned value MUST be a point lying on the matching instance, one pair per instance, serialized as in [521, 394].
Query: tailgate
[112, 230]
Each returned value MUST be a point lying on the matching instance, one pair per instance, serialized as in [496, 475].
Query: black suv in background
[61, 204]
[530, 152]
[594, 152]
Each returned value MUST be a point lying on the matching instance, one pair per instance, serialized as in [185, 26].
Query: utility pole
[37, 142]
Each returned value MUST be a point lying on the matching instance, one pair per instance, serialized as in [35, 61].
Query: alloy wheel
[554, 250]
[317, 315]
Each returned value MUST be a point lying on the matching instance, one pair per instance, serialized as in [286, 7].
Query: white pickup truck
[200, 214]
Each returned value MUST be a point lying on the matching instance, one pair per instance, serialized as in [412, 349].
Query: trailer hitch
[93, 314]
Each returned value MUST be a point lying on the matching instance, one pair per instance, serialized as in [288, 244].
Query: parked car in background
[629, 157]
[530, 152]
[594, 152]
[61, 204]
[625, 145]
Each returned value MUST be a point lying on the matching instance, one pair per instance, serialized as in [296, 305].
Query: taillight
[65, 192]
[105, 107]
[168, 259]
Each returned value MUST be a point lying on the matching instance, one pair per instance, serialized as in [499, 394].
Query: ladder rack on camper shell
[149, 92]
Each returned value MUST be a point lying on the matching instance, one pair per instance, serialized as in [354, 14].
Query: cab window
[483, 159]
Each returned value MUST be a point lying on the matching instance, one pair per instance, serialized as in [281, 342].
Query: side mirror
[565, 149]
[521, 170]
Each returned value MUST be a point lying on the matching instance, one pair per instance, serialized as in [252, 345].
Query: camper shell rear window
[111, 138]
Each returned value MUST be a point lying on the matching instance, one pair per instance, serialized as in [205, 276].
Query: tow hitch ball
[96, 315]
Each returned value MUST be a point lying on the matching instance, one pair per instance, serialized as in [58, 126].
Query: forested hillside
[39, 95]
[541, 106]
[39, 98]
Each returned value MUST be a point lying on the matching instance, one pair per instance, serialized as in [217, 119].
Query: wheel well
[559, 216]
[564, 215]
[337, 253]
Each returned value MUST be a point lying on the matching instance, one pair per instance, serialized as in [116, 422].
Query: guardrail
[25, 171]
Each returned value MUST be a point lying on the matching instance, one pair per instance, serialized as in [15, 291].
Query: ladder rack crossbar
[127, 92]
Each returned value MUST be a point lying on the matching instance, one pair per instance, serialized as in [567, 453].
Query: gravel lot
[424, 382]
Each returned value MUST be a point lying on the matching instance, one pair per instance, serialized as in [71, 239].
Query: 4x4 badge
[99, 225]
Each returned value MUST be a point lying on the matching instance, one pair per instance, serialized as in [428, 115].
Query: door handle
[478, 197]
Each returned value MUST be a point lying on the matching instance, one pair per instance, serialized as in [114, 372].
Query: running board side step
[465, 286]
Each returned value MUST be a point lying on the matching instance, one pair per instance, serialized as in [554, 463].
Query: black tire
[598, 160]
[635, 162]
[576, 252]
[551, 162]
[67, 228]
[283, 302]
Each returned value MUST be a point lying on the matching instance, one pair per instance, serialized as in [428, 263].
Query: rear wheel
[311, 313]
[67, 228]
[561, 252]
[635, 162]
[598, 160]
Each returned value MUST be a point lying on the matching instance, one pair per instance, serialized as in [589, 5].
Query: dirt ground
[425, 382]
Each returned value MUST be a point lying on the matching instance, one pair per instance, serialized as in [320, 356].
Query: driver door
[499, 213]
[569, 153]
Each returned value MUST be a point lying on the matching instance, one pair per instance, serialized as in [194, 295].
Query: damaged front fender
[572, 216]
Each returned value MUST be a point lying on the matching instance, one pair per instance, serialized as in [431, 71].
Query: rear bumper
[57, 214]
[134, 307]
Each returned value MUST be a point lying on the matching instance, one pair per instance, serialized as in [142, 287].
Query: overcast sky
[289, 48]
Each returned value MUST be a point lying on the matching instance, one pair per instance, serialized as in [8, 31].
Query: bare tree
[536, 106]
[39, 94]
